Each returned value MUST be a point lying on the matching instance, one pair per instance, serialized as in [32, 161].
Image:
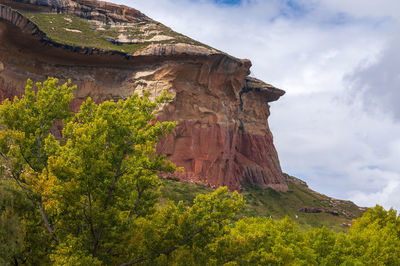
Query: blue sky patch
[295, 9]
[228, 2]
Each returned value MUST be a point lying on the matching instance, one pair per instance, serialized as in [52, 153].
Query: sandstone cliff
[113, 51]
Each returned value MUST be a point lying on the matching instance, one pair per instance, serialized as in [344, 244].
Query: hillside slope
[321, 209]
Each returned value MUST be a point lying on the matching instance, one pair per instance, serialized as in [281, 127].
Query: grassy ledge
[123, 37]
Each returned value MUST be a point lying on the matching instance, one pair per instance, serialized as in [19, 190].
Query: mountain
[112, 51]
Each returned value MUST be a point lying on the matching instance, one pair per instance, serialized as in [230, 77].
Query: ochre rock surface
[222, 137]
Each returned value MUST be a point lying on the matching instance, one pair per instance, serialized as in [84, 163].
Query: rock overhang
[267, 91]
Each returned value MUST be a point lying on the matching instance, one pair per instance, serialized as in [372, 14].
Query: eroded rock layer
[222, 137]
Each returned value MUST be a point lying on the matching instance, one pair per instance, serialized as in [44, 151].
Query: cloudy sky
[338, 126]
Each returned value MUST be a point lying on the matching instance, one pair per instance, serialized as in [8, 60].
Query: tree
[22, 238]
[262, 241]
[373, 239]
[12, 229]
[96, 188]
[321, 241]
[25, 123]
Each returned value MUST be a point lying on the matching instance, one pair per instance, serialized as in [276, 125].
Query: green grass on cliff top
[270, 203]
[75, 31]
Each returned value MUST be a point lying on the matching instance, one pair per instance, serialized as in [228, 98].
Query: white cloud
[378, 83]
[362, 8]
[337, 148]
[308, 49]
[387, 197]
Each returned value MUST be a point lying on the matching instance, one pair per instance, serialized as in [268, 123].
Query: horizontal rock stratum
[112, 51]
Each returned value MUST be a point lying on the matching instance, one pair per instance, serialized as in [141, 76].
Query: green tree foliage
[12, 229]
[262, 241]
[321, 241]
[179, 234]
[22, 237]
[373, 239]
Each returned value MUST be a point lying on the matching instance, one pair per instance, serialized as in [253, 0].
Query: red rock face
[222, 138]
[219, 156]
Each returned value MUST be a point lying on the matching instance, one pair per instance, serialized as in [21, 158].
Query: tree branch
[89, 217]
[111, 188]
[26, 160]
[35, 202]
[47, 224]
[106, 202]
[136, 204]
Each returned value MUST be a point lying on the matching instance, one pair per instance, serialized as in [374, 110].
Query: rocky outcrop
[295, 180]
[89, 9]
[318, 210]
[222, 137]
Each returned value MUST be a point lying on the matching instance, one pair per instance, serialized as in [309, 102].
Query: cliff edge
[112, 51]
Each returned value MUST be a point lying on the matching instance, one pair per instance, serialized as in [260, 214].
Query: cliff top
[95, 27]
[104, 26]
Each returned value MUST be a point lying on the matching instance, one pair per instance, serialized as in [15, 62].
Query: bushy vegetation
[91, 197]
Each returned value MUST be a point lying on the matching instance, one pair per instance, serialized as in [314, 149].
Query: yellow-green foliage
[374, 239]
[91, 197]
[12, 228]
